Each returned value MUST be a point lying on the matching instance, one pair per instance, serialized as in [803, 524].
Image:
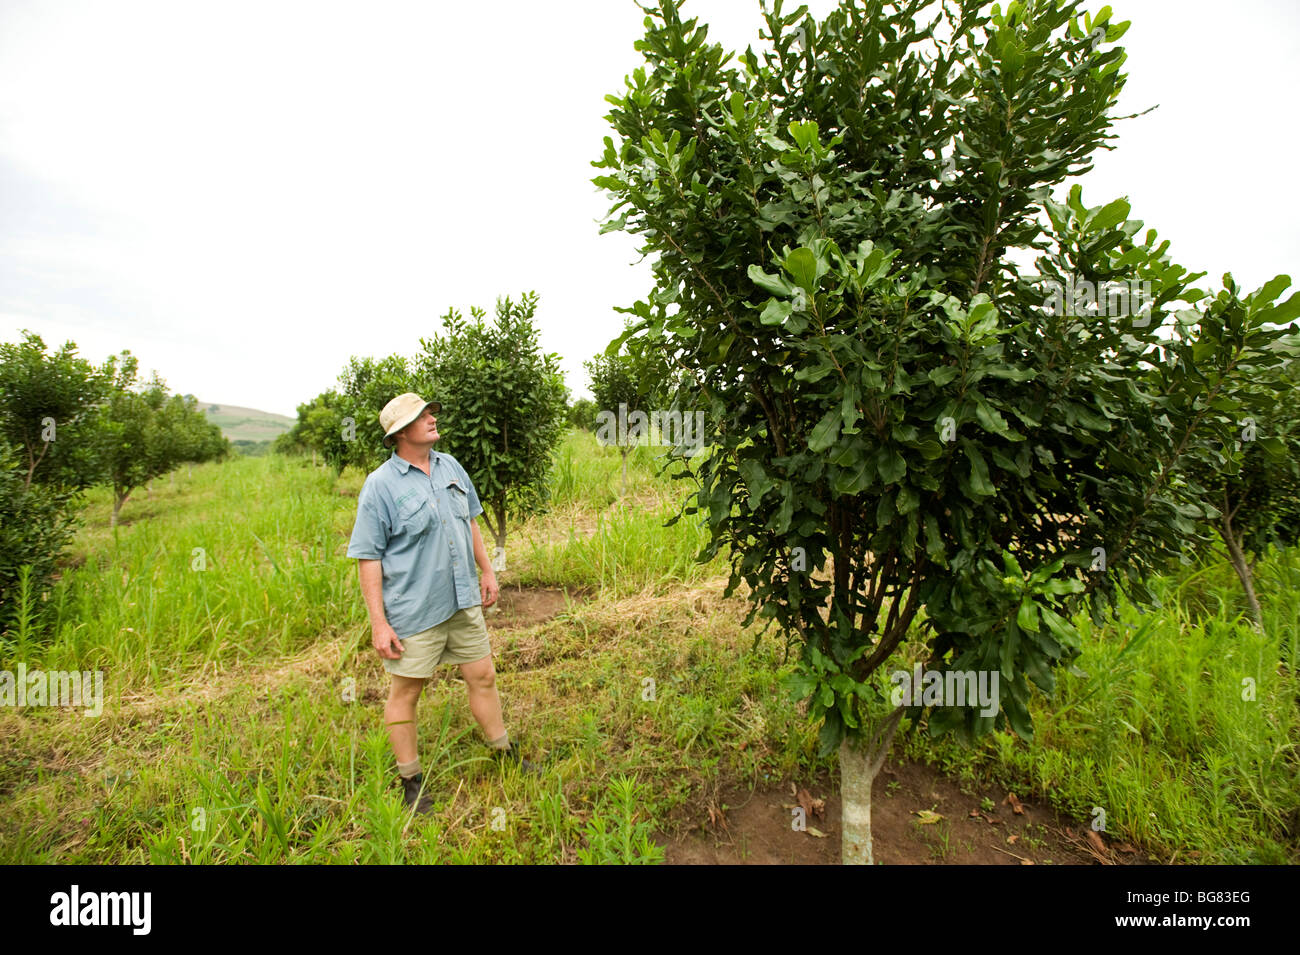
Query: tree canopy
[913, 433]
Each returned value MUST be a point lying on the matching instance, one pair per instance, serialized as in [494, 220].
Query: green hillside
[247, 424]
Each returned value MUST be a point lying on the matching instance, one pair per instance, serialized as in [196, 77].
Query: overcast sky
[246, 194]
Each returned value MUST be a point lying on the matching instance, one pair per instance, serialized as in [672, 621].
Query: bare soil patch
[919, 817]
[519, 607]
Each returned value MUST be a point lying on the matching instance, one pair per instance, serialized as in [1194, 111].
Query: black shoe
[413, 797]
[514, 755]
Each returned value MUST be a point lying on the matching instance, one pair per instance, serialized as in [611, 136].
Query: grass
[1184, 731]
[244, 713]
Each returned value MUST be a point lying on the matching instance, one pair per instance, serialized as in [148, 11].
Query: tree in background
[504, 405]
[630, 381]
[37, 522]
[342, 425]
[66, 425]
[614, 385]
[182, 434]
[141, 432]
[45, 403]
[321, 430]
[894, 402]
[582, 414]
[366, 385]
[1258, 500]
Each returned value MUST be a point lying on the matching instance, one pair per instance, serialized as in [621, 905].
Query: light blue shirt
[418, 526]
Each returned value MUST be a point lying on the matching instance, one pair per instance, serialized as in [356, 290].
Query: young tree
[615, 388]
[140, 432]
[45, 402]
[893, 400]
[36, 523]
[582, 414]
[365, 386]
[503, 407]
[1258, 503]
[321, 429]
[629, 384]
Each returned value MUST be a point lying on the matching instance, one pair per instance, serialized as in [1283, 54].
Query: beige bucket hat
[401, 411]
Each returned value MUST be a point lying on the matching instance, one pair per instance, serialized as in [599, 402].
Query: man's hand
[487, 588]
[384, 639]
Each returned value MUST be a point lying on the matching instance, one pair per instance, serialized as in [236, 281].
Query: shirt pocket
[414, 516]
[458, 499]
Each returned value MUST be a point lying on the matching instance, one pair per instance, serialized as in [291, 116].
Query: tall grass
[1184, 730]
[228, 735]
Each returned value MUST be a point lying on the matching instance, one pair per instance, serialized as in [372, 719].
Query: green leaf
[826, 432]
[890, 465]
[804, 134]
[776, 312]
[1027, 616]
[854, 479]
[801, 265]
[943, 374]
[770, 283]
[1108, 216]
[979, 472]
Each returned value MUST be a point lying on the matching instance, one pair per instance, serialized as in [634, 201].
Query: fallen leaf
[1026, 861]
[928, 816]
[1011, 799]
[974, 813]
[1125, 848]
[1012, 840]
[814, 831]
[1195, 853]
[805, 800]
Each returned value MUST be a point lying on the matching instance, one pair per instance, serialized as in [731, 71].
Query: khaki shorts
[461, 638]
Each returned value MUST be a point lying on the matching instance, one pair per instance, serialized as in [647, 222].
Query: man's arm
[382, 636]
[488, 583]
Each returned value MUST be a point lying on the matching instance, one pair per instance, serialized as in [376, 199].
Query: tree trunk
[860, 762]
[499, 536]
[499, 549]
[118, 501]
[1238, 560]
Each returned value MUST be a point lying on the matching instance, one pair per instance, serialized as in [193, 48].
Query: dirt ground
[919, 817]
[519, 607]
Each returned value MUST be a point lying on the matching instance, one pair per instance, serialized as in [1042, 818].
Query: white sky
[246, 194]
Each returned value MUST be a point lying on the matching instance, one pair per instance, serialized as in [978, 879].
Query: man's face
[423, 430]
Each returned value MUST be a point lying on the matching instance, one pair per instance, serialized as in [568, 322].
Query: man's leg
[399, 715]
[481, 681]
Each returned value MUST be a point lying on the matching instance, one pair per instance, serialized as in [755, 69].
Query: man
[416, 542]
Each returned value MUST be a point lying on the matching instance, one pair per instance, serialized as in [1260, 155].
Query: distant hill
[246, 424]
